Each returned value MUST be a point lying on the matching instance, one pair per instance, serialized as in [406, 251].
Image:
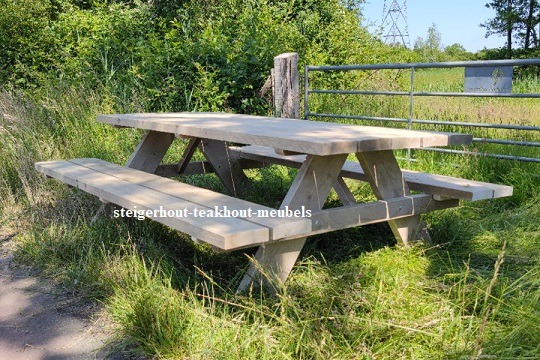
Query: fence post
[286, 89]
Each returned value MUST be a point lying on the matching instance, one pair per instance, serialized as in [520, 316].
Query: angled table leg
[343, 192]
[146, 157]
[188, 154]
[227, 168]
[150, 151]
[310, 189]
[386, 180]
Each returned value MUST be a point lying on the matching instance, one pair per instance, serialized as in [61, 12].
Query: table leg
[227, 168]
[188, 154]
[150, 151]
[386, 180]
[146, 157]
[310, 189]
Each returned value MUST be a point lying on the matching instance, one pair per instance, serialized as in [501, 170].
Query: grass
[474, 294]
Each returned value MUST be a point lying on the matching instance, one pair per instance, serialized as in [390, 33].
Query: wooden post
[286, 86]
[286, 89]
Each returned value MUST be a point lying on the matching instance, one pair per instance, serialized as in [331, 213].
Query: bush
[203, 55]
[28, 44]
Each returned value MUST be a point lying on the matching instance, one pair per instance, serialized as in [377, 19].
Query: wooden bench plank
[224, 233]
[279, 227]
[444, 186]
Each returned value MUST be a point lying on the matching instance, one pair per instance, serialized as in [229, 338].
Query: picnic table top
[311, 137]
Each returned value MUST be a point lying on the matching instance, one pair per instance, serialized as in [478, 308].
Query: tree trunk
[529, 25]
[509, 42]
[509, 26]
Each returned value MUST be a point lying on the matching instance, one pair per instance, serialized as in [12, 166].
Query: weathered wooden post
[286, 89]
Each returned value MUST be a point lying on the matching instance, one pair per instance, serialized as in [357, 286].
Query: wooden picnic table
[318, 149]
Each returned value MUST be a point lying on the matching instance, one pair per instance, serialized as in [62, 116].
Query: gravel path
[41, 321]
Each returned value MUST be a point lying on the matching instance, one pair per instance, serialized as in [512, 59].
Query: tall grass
[353, 295]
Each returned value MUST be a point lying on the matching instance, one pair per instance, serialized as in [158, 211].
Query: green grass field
[473, 294]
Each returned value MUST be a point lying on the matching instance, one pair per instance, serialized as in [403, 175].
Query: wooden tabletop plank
[311, 137]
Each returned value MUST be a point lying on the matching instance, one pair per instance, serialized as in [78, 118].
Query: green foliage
[515, 19]
[430, 49]
[493, 54]
[456, 52]
[178, 55]
[28, 43]
[98, 45]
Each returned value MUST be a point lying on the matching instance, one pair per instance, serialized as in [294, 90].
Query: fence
[411, 94]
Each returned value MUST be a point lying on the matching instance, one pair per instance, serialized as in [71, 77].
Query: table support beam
[188, 154]
[386, 179]
[227, 167]
[346, 217]
[310, 188]
[343, 192]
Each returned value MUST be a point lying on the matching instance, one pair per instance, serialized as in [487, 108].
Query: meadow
[472, 294]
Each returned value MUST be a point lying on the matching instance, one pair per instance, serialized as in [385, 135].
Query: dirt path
[41, 321]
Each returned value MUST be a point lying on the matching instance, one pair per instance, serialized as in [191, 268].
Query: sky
[458, 21]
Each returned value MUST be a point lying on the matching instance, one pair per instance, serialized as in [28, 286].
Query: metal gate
[471, 67]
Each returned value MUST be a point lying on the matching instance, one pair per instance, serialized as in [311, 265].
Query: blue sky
[457, 20]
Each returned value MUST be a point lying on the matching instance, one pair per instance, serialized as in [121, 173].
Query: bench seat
[439, 185]
[141, 191]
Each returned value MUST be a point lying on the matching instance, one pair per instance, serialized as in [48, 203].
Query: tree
[504, 21]
[457, 52]
[530, 21]
[515, 19]
[434, 38]
[430, 50]
[419, 44]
